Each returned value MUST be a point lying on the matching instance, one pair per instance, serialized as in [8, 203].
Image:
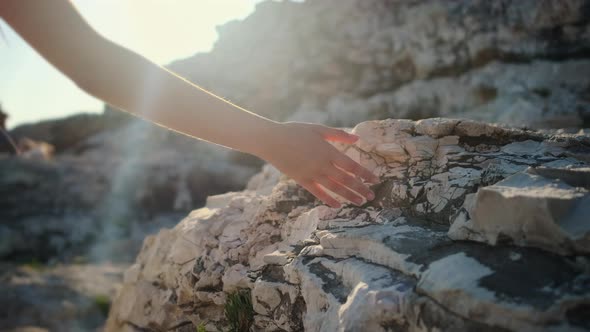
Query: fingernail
[358, 201]
[371, 195]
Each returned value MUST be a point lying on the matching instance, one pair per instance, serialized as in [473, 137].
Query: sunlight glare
[163, 30]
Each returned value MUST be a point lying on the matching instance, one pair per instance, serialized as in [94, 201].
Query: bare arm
[128, 81]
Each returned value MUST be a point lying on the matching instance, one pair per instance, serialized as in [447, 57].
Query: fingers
[351, 182]
[349, 165]
[322, 195]
[341, 190]
[338, 135]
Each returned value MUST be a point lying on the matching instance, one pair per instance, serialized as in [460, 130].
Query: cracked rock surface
[475, 227]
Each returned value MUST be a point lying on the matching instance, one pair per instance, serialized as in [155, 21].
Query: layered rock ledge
[475, 227]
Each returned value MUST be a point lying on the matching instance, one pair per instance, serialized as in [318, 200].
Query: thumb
[338, 135]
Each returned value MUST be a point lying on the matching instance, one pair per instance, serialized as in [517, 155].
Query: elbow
[100, 86]
[88, 79]
[87, 84]
[100, 81]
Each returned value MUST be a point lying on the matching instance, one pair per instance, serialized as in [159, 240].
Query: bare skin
[130, 82]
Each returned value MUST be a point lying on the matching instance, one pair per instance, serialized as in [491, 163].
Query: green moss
[201, 328]
[103, 303]
[239, 311]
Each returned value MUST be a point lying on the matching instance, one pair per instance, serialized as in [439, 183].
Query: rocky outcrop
[526, 63]
[337, 62]
[475, 227]
[118, 184]
[66, 133]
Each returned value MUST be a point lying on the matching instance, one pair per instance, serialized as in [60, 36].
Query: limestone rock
[393, 264]
[340, 62]
[532, 210]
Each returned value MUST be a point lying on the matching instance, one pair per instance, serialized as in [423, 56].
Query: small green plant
[103, 303]
[239, 311]
[201, 328]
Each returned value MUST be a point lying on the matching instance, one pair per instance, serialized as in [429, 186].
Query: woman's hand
[301, 151]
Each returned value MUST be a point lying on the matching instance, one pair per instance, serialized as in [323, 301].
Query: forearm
[152, 92]
[127, 80]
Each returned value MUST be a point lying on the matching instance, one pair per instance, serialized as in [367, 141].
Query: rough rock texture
[345, 61]
[475, 227]
[544, 207]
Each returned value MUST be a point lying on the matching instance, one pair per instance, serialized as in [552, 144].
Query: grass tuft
[239, 311]
[201, 328]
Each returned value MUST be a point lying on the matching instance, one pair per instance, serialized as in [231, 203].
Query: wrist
[262, 139]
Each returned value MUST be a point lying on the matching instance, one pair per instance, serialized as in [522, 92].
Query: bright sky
[162, 30]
